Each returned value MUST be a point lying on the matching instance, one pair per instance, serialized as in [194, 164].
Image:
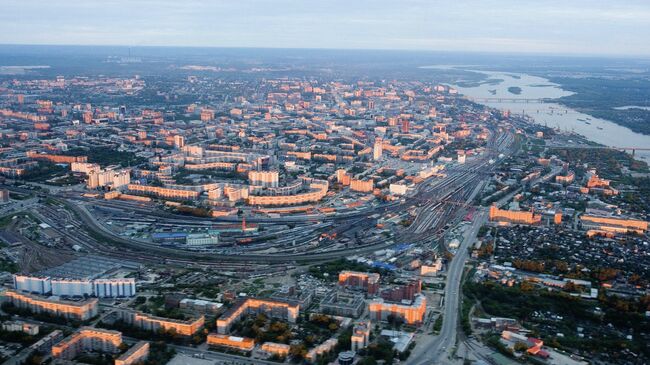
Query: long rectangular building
[152, 323]
[88, 339]
[232, 342]
[75, 287]
[514, 217]
[614, 224]
[137, 354]
[163, 192]
[80, 310]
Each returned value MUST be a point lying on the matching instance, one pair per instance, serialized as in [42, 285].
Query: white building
[179, 141]
[33, 284]
[72, 287]
[397, 189]
[201, 239]
[200, 305]
[109, 178]
[84, 167]
[377, 149]
[118, 287]
[19, 326]
[102, 288]
[268, 179]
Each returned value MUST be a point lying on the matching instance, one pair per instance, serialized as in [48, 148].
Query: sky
[568, 27]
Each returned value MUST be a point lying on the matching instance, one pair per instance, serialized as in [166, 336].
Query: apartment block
[85, 340]
[137, 354]
[80, 310]
[360, 335]
[232, 342]
[152, 323]
[412, 313]
[271, 308]
[360, 280]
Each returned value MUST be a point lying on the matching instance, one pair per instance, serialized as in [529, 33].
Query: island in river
[514, 90]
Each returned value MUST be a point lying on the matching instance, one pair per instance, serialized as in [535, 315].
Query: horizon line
[496, 52]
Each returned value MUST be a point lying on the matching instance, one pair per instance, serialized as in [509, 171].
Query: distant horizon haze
[133, 51]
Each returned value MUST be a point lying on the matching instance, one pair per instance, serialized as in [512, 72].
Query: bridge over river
[583, 147]
[507, 100]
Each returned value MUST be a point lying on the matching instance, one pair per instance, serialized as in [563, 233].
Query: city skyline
[348, 183]
[499, 26]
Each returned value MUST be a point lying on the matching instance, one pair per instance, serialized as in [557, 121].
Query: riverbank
[537, 91]
[608, 99]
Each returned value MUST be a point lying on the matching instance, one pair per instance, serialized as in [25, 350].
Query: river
[552, 114]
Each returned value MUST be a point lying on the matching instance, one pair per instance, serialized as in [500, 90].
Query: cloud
[551, 26]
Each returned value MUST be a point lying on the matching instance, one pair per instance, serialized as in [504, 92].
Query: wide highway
[438, 349]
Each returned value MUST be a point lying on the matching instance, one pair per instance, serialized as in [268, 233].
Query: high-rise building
[360, 335]
[406, 127]
[342, 177]
[179, 141]
[264, 178]
[4, 195]
[109, 178]
[76, 287]
[207, 115]
[114, 287]
[377, 149]
[362, 186]
[406, 291]
[360, 280]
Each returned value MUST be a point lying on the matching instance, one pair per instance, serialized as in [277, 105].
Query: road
[438, 350]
